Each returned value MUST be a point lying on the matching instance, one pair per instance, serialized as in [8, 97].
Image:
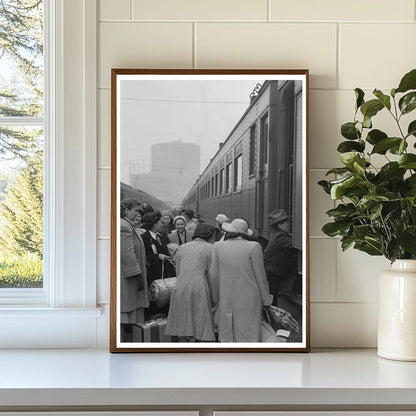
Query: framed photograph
[209, 211]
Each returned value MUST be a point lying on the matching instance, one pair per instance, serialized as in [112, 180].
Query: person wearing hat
[239, 285]
[190, 313]
[134, 296]
[157, 255]
[180, 235]
[219, 232]
[279, 256]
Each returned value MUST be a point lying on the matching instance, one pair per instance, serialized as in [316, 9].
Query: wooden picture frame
[232, 142]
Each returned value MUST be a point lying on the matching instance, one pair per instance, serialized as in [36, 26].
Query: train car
[258, 168]
[127, 191]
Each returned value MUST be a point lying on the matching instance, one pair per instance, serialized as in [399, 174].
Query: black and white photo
[209, 211]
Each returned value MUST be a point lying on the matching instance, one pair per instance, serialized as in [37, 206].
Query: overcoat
[154, 264]
[190, 313]
[239, 286]
[133, 262]
[279, 256]
[174, 238]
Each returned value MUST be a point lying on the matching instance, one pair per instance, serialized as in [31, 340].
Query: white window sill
[39, 327]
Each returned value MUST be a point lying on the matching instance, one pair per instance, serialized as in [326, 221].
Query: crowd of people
[223, 278]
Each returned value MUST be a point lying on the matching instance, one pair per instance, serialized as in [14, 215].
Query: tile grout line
[194, 62]
[269, 11]
[131, 9]
[338, 64]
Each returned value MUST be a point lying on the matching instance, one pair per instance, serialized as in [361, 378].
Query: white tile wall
[200, 10]
[142, 45]
[114, 10]
[271, 45]
[370, 65]
[341, 10]
[323, 265]
[345, 44]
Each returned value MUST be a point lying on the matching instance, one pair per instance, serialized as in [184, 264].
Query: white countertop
[96, 377]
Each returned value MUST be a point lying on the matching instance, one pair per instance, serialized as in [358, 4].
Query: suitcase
[151, 331]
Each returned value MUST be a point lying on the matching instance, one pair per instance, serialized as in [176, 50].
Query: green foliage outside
[376, 211]
[21, 95]
[24, 271]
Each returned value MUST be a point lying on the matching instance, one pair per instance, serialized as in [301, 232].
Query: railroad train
[126, 191]
[258, 168]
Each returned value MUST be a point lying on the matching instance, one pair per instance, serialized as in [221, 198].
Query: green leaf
[349, 158]
[408, 161]
[338, 189]
[385, 99]
[338, 171]
[342, 211]
[375, 212]
[411, 130]
[371, 108]
[369, 248]
[367, 122]
[408, 82]
[359, 94]
[325, 186]
[349, 146]
[383, 145]
[391, 170]
[407, 240]
[408, 102]
[398, 149]
[346, 242]
[375, 136]
[349, 131]
[336, 228]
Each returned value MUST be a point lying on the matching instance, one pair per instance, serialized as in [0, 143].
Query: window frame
[71, 169]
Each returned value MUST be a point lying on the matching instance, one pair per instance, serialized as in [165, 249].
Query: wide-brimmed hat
[237, 226]
[221, 218]
[277, 216]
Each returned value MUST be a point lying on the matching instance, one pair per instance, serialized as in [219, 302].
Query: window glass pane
[21, 145]
[21, 207]
[21, 58]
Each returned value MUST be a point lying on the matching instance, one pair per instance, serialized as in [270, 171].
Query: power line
[186, 101]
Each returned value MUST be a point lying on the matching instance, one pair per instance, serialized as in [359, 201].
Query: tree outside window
[21, 143]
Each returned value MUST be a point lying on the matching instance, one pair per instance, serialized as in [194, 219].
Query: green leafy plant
[376, 212]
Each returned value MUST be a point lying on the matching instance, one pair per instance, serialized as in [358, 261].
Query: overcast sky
[195, 111]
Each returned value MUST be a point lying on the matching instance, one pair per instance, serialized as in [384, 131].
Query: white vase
[397, 312]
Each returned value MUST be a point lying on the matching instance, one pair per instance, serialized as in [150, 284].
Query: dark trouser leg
[273, 280]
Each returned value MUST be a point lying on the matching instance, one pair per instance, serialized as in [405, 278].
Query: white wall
[345, 44]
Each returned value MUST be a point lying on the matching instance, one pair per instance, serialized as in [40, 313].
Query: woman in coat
[133, 274]
[238, 285]
[180, 235]
[157, 255]
[190, 313]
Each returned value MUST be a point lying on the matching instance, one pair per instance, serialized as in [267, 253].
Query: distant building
[174, 168]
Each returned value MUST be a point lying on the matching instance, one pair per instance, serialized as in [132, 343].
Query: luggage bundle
[161, 290]
[151, 331]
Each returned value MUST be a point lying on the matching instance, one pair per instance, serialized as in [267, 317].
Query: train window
[264, 138]
[252, 148]
[228, 178]
[238, 172]
[221, 181]
[212, 187]
[216, 183]
[209, 188]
